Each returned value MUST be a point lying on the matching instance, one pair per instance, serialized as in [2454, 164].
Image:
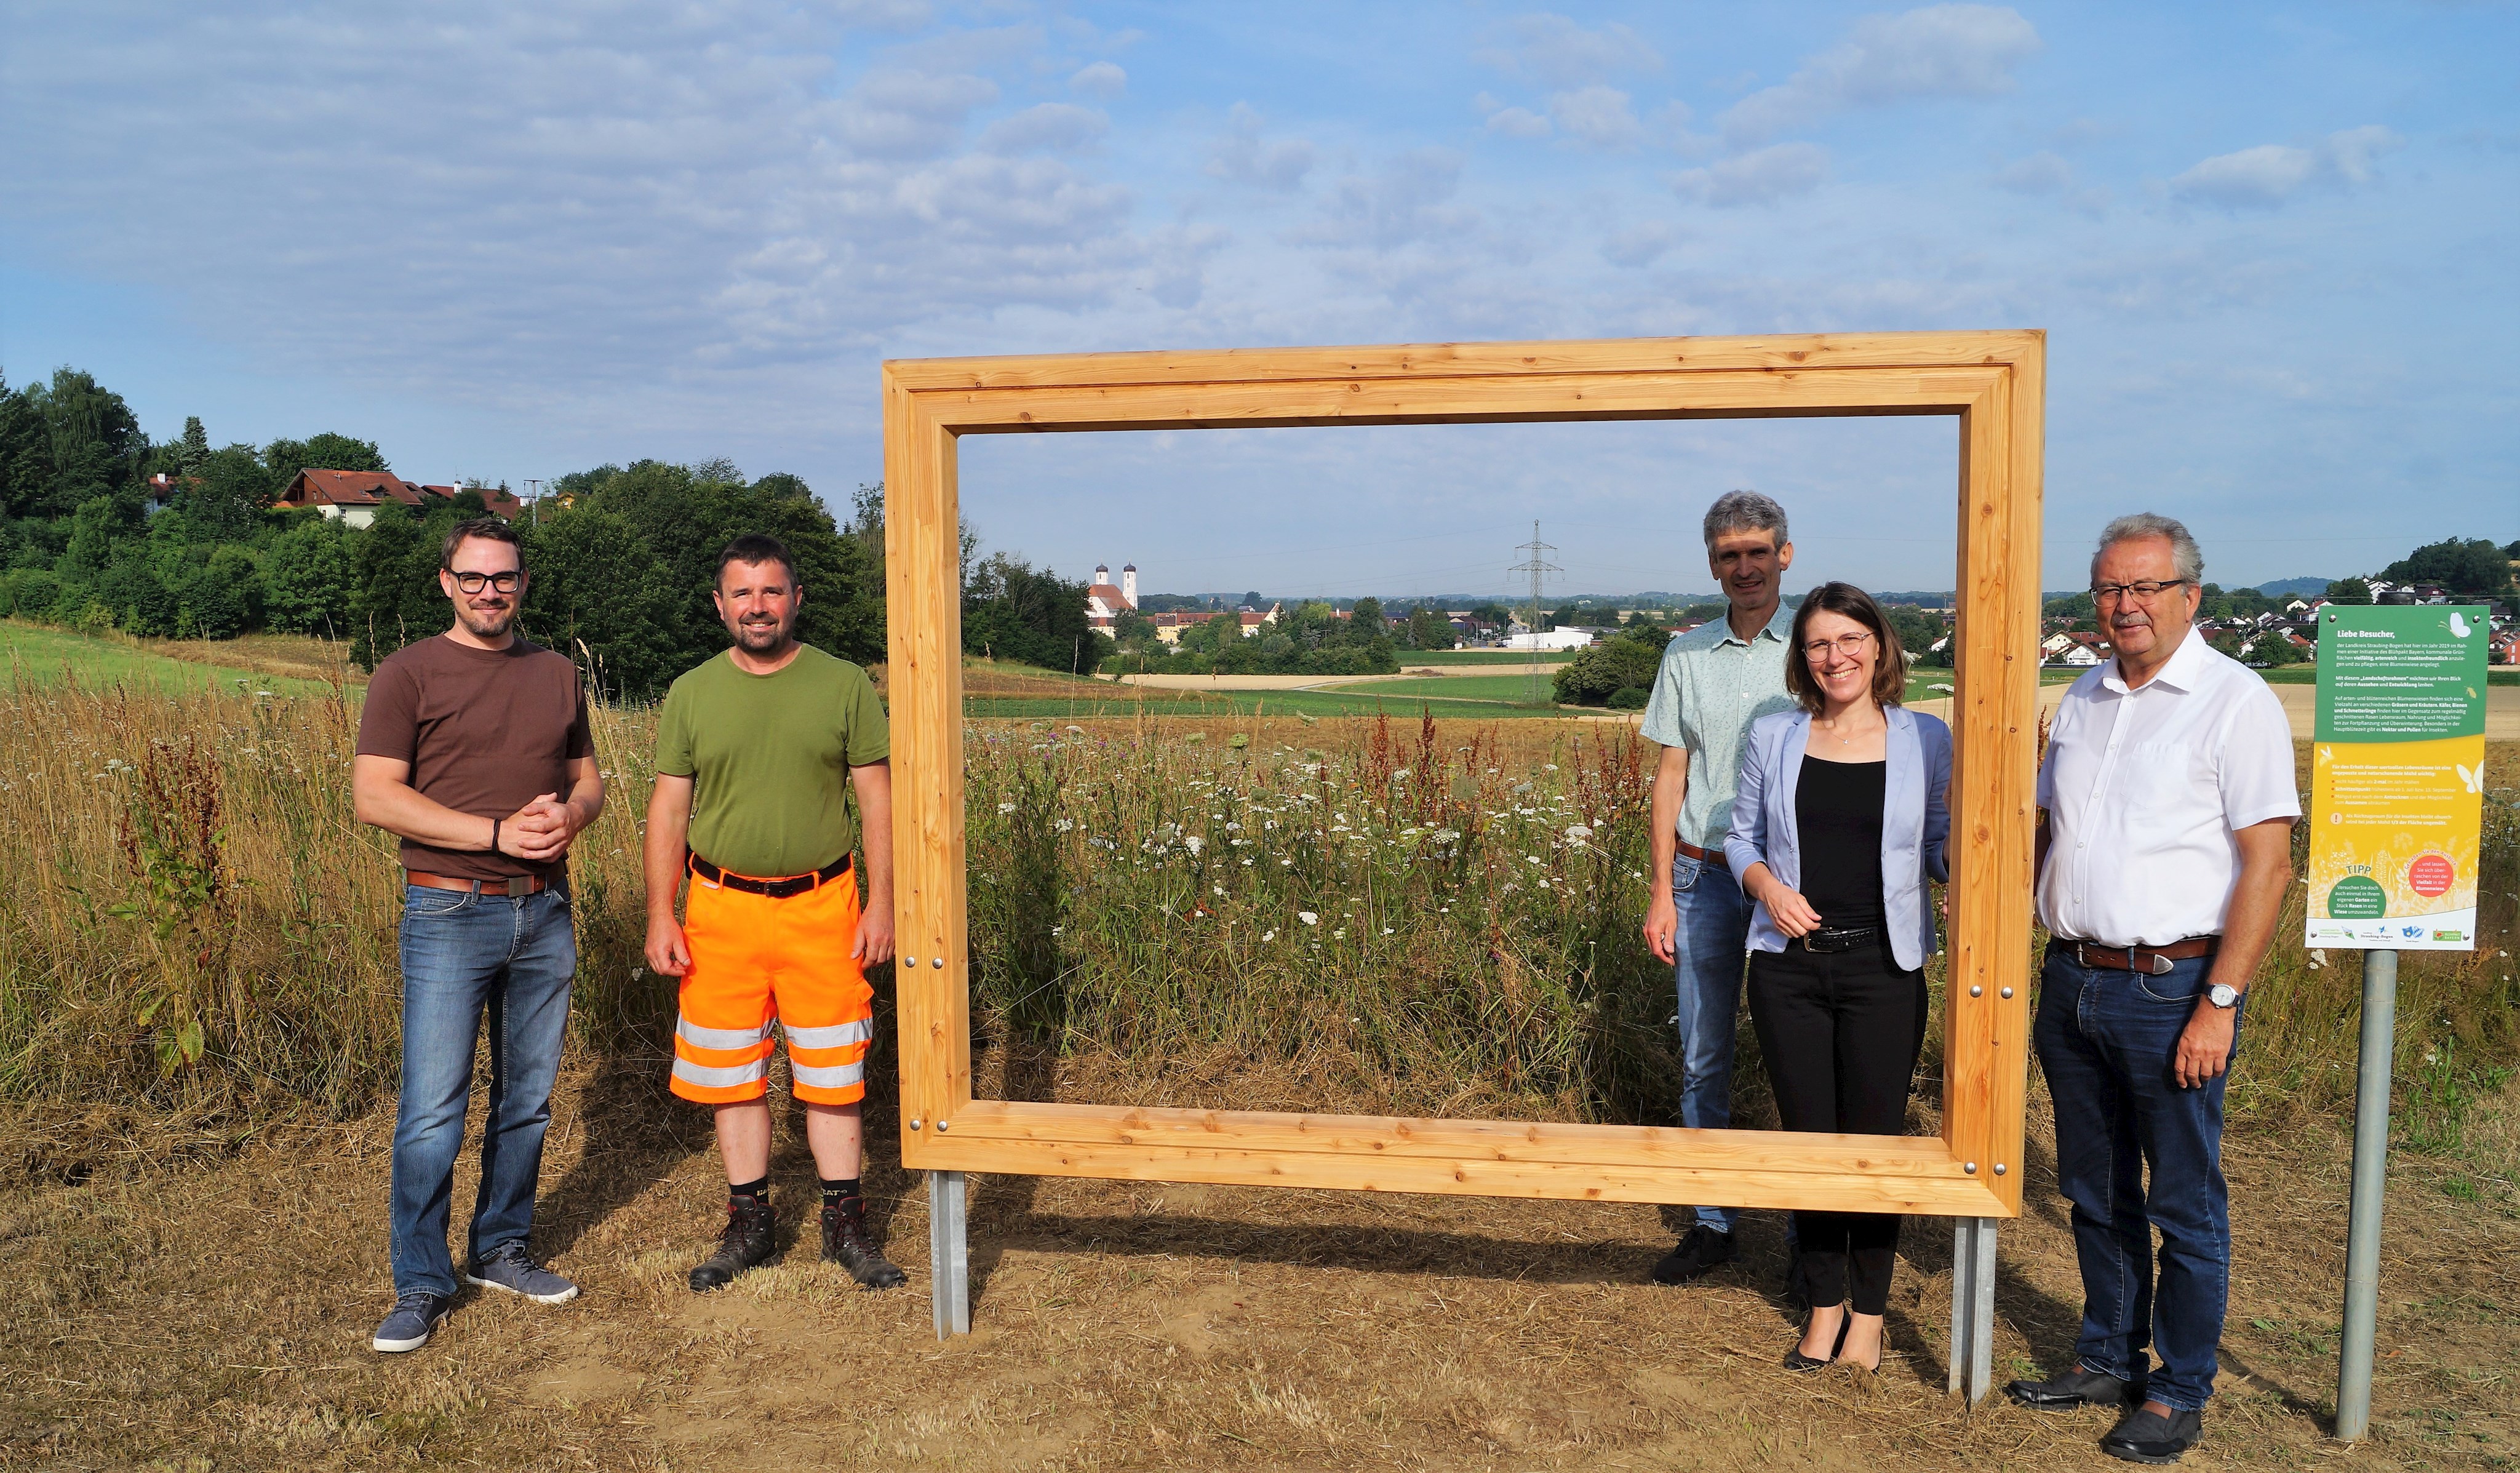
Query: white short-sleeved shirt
[1711, 686]
[2144, 790]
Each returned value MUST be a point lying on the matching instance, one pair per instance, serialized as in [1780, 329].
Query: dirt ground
[215, 1316]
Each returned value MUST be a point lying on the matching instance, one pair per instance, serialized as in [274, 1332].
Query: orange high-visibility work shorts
[755, 959]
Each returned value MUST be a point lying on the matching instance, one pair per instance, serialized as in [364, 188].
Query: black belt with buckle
[1839, 938]
[777, 889]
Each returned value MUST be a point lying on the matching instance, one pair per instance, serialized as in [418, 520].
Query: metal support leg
[1973, 1306]
[2370, 1183]
[949, 1254]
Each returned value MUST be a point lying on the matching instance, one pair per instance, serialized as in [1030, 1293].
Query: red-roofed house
[353, 495]
[350, 497]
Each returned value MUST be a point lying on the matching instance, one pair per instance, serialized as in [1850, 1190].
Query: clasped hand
[540, 830]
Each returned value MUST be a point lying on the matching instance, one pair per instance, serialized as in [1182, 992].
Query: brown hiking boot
[745, 1243]
[846, 1242]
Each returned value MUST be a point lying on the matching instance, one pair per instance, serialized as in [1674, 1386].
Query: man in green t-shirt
[758, 753]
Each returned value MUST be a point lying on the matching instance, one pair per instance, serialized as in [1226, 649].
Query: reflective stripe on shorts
[836, 1036]
[829, 1077]
[708, 1078]
[718, 1038]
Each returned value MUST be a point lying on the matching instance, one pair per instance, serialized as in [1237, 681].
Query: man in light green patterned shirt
[1715, 681]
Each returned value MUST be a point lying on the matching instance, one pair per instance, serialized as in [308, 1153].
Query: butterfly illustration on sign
[2473, 777]
[2458, 625]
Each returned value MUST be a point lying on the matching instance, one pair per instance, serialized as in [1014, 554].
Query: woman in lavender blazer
[1841, 818]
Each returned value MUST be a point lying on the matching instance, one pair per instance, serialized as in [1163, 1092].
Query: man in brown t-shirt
[473, 748]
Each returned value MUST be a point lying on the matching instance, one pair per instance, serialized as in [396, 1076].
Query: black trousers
[1840, 1032]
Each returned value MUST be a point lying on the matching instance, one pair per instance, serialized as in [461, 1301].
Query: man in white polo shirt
[2167, 805]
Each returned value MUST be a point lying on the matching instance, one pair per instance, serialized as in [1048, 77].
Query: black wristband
[494, 835]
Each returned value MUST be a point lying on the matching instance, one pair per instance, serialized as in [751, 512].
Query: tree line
[623, 558]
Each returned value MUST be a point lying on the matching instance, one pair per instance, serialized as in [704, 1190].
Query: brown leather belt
[512, 887]
[777, 889]
[2153, 961]
[1702, 856]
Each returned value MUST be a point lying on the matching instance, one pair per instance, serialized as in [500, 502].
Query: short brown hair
[488, 529]
[1889, 677]
[754, 549]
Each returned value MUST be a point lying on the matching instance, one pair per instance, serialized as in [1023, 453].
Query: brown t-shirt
[486, 732]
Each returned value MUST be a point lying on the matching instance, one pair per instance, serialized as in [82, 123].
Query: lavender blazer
[1915, 822]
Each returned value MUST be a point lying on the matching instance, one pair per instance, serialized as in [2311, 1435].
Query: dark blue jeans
[2109, 1041]
[1709, 952]
[465, 956]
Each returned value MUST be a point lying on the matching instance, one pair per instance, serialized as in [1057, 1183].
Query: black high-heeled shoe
[1796, 1360]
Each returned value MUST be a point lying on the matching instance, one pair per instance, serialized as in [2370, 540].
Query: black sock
[841, 1193]
[759, 1191]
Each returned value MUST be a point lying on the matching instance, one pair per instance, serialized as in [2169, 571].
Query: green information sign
[2397, 777]
[2401, 673]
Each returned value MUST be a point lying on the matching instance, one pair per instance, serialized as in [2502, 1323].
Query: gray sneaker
[414, 1319]
[506, 1266]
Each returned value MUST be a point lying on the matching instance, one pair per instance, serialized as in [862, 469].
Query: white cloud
[1640, 245]
[1557, 52]
[1761, 176]
[1049, 128]
[2042, 173]
[1597, 115]
[1408, 200]
[1517, 122]
[908, 114]
[1100, 80]
[1937, 51]
[1244, 157]
[2267, 175]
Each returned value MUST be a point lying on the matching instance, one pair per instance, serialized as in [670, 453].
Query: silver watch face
[2222, 995]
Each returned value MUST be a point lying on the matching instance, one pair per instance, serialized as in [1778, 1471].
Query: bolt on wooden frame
[1993, 383]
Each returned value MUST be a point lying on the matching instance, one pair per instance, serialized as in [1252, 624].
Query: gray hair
[2183, 553]
[1745, 511]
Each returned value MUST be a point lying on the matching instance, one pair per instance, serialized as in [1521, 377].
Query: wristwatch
[2222, 995]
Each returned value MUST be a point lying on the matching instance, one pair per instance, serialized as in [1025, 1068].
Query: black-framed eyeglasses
[474, 583]
[1849, 645]
[2143, 593]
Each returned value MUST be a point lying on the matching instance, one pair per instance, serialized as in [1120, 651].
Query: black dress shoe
[2076, 1387]
[1701, 1251]
[2149, 1437]
[1796, 1360]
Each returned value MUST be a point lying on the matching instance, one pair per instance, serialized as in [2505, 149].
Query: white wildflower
[1006, 808]
[1532, 859]
[1270, 934]
[1308, 917]
[1578, 833]
[1193, 843]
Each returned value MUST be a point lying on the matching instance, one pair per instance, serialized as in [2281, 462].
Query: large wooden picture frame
[1992, 382]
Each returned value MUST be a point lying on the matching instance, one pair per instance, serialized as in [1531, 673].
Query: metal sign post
[2371, 1181]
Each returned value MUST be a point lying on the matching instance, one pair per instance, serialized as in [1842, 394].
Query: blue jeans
[1711, 949]
[2109, 1041]
[464, 955]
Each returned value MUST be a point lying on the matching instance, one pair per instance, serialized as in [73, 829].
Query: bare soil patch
[192, 1315]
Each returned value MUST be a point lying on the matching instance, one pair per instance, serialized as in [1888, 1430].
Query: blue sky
[2272, 246]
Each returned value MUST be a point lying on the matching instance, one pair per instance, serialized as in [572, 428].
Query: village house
[351, 497]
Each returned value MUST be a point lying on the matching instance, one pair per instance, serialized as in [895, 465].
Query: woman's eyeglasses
[474, 583]
[1849, 645]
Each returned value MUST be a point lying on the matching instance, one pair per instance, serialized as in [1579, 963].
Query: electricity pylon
[1538, 566]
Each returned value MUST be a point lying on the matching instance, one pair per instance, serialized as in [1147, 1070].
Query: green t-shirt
[771, 757]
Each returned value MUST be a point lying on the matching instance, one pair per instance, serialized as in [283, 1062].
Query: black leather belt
[1840, 938]
[777, 889]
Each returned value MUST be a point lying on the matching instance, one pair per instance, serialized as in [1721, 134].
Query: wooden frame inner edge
[1991, 382]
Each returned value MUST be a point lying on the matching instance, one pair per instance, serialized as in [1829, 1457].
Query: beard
[485, 623]
[762, 638]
